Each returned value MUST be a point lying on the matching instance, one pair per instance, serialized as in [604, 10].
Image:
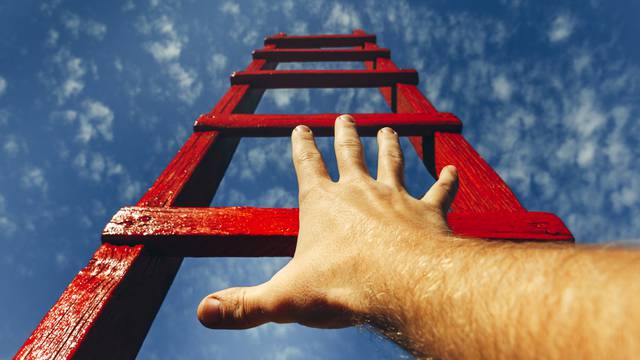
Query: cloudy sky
[97, 96]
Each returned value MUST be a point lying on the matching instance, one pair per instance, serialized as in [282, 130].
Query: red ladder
[109, 306]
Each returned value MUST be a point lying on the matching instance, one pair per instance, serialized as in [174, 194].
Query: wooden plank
[318, 41]
[295, 79]
[481, 188]
[247, 231]
[264, 125]
[107, 309]
[305, 55]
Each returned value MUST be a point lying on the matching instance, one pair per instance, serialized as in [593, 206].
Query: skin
[369, 253]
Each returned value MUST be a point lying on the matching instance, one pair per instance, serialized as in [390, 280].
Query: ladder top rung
[314, 41]
[290, 55]
[279, 79]
[272, 125]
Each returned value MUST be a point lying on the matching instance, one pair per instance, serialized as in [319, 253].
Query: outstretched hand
[355, 240]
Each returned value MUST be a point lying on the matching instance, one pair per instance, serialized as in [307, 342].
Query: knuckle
[395, 155]
[349, 144]
[307, 155]
[445, 186]
[242, 306]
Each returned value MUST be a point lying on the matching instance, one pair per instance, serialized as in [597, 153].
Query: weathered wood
[106, 311]
[247, 231]
[264, 125]
[293, 79]
[109, 306]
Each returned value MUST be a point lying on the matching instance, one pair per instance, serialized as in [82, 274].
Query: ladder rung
[291, 55]
[279, 79]
[406, 124]
[245, 231]
[317, 41]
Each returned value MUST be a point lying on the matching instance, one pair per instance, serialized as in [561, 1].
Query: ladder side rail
[481, 189]
[108, 308]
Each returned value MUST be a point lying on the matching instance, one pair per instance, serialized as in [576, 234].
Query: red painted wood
[107, 309]
[481, 188]
[319, 41]
[279, 79]
[302, 55]
[246, 231]
[322, 124]
[109, 306]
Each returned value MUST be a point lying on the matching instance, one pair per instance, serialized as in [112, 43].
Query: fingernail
[303, 128]
[210, 311]
[346, 118]
[388, 130]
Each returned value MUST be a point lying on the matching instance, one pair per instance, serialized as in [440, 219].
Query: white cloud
[501, 88]
[3, 86]
[117, 63]
[7, 226]
[217, 63]
[128, 6]
[166, 50]
[189, 88]
[94, 120]
[277, 197]
[283, 98]
[342, 19]
[250, 37]
[77, 25]
[229, 7]
[95, 29]
[52, 38]
[169, 47]
[72, 23]
[96, 166]
[585, 116]
[13, 146]
[129, 189]
[561, 28]
[581, 62]
[61, 259]
[33, 178]
[73, 70]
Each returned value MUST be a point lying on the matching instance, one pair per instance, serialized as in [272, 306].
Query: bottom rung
[255, 232]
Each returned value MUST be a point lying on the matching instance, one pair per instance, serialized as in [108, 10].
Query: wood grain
[248, 231]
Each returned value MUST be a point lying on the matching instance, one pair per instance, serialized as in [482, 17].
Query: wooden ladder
[109, 306]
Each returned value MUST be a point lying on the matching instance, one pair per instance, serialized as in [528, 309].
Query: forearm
[473, 298]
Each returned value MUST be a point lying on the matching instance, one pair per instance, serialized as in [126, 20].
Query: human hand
[358, 237]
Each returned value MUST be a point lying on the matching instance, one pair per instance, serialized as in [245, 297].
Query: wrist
[407, 276]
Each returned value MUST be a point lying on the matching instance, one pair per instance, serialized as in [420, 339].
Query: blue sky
[96, 97]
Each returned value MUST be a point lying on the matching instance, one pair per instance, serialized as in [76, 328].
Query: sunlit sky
[97, 96]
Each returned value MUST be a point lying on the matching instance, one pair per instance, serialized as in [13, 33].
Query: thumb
[442, 193]
[235, 308]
